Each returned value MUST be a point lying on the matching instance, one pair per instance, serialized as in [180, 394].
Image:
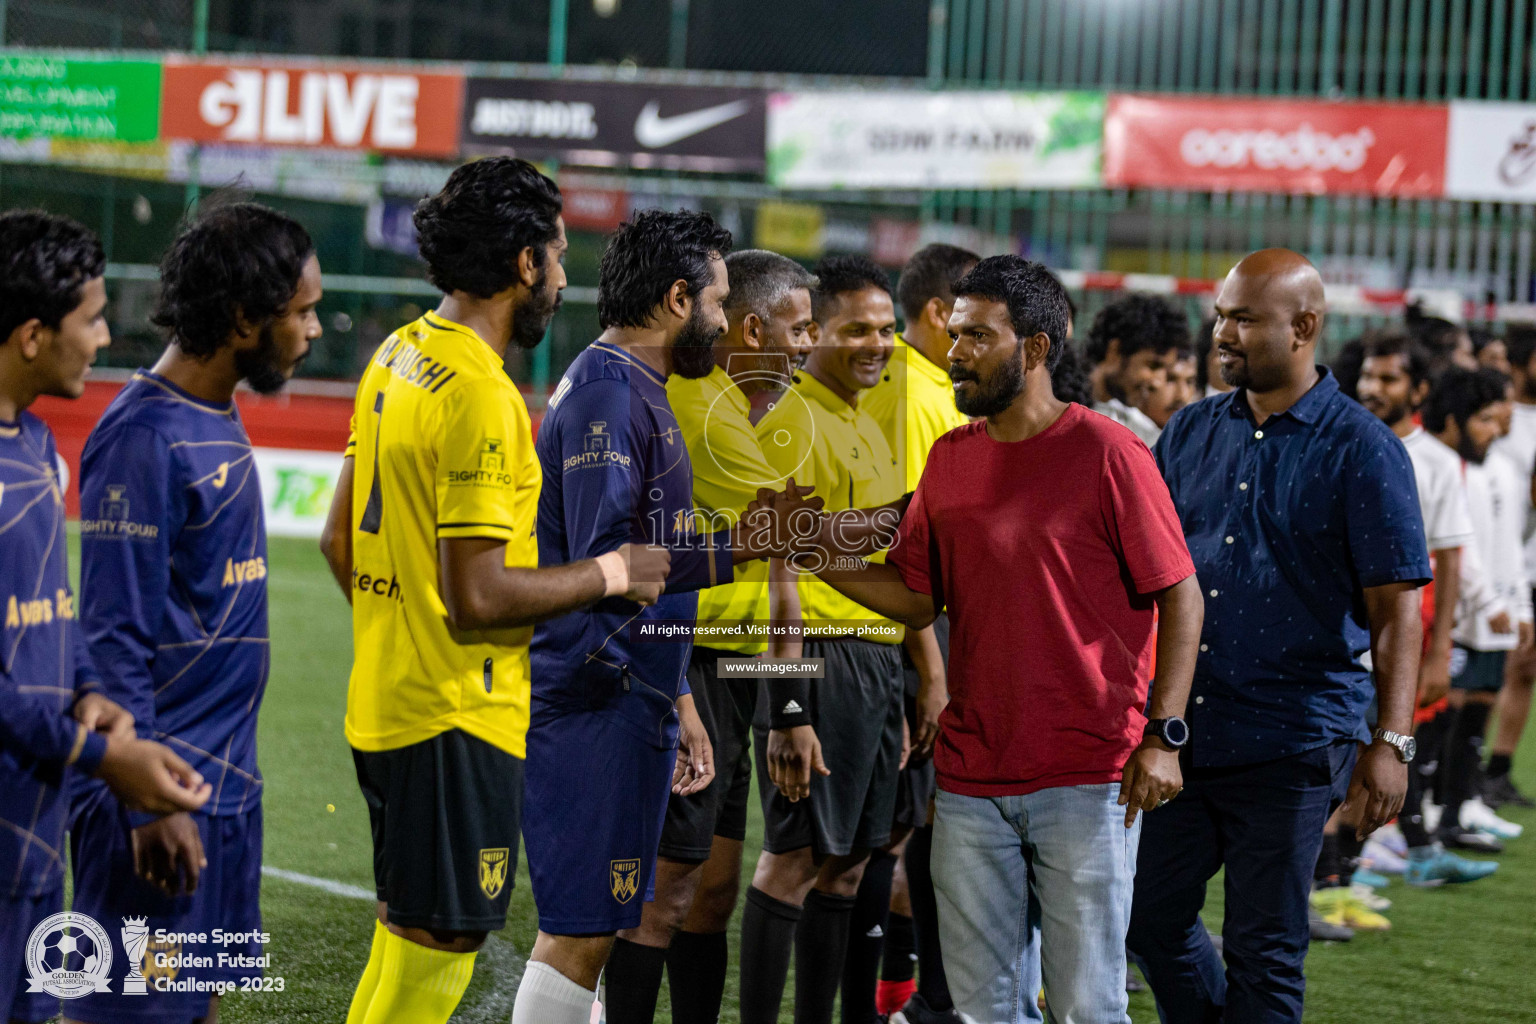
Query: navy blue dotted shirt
[1288, 523]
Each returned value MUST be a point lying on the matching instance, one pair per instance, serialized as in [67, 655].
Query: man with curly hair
[614, 729]
[1131, 345]
[173, 548]
[430, 536]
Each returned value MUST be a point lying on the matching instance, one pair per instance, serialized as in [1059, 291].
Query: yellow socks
[368, 984]
[415, 985]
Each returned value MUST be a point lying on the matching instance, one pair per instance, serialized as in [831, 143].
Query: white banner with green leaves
[910, 139]
[296, 489]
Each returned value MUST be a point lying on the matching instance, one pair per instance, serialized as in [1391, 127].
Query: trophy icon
[135, 933]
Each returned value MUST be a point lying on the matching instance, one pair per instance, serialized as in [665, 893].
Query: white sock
[546, 996]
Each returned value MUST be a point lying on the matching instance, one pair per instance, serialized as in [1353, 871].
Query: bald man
[1301, 514]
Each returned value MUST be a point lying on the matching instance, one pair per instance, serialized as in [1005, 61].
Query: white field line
[498, 956]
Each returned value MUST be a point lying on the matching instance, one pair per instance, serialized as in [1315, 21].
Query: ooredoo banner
[1206, 143]
[389, 111]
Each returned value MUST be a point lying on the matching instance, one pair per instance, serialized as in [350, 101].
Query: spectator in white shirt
[1468, 410]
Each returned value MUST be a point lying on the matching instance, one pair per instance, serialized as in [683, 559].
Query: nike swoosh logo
[655, 132]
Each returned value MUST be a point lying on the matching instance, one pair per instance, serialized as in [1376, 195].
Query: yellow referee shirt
[443, 448]
[728, 468]
[819, 439]
[914, 403]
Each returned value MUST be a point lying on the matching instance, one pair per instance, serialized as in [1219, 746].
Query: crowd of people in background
[1463, 401]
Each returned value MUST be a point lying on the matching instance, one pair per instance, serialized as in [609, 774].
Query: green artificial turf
[1454, 955]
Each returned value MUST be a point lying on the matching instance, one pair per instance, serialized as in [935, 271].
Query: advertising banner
[704, 128]
[1491, 153]
[388, 111]
[296, 488]
[43, 96]
[1254, 145]
[912, 139]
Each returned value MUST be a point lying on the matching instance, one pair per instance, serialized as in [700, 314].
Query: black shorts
[726, 707]
[446, 813]
[916, 785]
[857, 713]
[1477, 671]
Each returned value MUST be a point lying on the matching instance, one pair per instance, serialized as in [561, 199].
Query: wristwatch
[1172, 731]
[1406, 746]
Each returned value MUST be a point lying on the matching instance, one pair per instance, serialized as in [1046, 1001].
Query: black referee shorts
[446, 814]
[857, 712]
[726, 707]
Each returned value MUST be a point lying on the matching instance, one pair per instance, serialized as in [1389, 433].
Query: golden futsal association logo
[624, 879]
[493, 871]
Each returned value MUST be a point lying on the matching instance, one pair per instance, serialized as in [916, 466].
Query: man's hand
[1152, 777]
[1376, 790]
[932, 698]
[150, 777]
[98, 714]
[695, 756]
[648, 566]
[906, 744]
[1500, 623]
[1434, 678]
[168, 854]
[792, 755]
[783, 523]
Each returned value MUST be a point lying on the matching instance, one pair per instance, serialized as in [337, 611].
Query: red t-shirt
[1043, 551]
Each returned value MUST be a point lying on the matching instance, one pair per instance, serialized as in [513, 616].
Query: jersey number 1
[373, 512]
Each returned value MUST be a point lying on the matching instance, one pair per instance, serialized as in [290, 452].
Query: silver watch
[1406, 746]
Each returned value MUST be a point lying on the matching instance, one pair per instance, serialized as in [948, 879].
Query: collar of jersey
[722, 383]
[176, 393]
[479, 347]
[810, 387]
[618, 353]
[921, 364]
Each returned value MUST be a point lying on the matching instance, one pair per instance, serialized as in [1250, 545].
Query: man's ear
[752, 330]
[936, 311]
[678, 301]
[27, 336]
[1037, 347]
[1419, 394]
[528, 267]
[1112, 357]
[245, 331]
[1305, 326]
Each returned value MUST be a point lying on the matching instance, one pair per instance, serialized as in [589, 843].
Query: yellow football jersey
[817, 438]
[914, 403]
[443, 447]
[728, 468]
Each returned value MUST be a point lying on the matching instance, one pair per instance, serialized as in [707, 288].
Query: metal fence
[1404, 50]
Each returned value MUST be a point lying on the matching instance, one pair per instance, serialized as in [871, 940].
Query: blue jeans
[1264, 824]
[1030, 887]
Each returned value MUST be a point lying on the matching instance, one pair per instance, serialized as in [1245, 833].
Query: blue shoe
[1365, 876]
[1434, 865]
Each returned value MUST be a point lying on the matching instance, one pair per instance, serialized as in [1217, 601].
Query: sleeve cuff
[138, 819]
[89, 757]
[492, 531]
[1417, 574]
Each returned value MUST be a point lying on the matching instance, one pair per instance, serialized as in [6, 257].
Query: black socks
[866, 940]
[900, 949]
[931, 982]
[821, 944]
[696, 966]
[767, 936]
[1463, 759]
[633, 980]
